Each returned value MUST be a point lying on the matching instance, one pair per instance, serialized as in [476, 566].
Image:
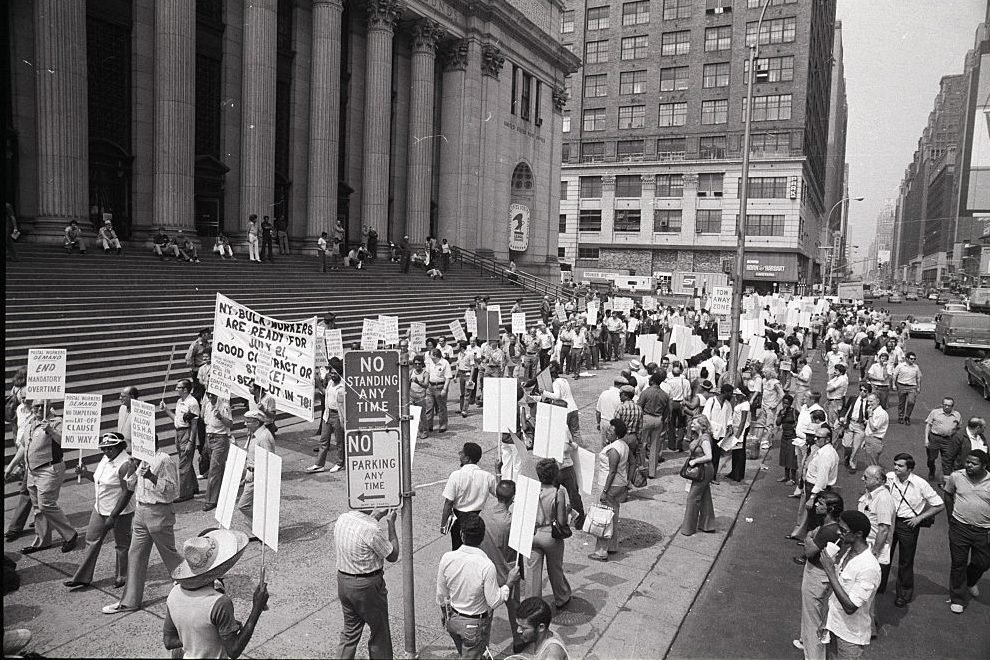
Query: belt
[361, 575]
[907, 384]
[483, 615]
[941, 435]
[43, 465]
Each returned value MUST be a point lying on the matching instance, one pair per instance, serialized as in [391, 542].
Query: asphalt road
[750, 606]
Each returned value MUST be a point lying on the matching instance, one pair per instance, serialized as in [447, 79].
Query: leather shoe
[31, 549]
[74, 584]
[209, 507]
[119, 582]
[12, 535]
[70, 545]
[800, 561]
[179, 500]
[900, 602]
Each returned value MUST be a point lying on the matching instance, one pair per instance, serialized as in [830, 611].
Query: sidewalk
[629, 607]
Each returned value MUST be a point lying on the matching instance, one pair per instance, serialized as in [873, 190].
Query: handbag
[691, 472]
[598, 521]
[637, 477]
[557, 530]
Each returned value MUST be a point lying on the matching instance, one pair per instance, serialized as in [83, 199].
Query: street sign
[372, 469]
[371, 396]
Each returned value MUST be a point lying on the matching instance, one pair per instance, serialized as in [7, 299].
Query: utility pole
[407, 492]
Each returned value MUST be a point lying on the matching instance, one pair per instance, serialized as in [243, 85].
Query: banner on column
[81, 421]
[518, 227]
[244, 335]
[142, 430]
[267, 495]
[232, 472]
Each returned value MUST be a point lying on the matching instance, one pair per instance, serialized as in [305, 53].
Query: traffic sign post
[371, 398]
[373, 469]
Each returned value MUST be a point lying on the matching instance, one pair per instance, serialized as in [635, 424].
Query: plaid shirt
[632, 415]
[361, 545]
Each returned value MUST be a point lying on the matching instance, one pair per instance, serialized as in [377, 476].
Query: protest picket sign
[263, 369]
[221, 376]
[527, 501]
[561, 313]
[370, 334]
[720, 300]
[244, 335]
[390, 329]
[584, 469]
[487, 326]
[498, 310]
[499, 413]
[550, 433]
[415, 412]
[321, 347]
[519, 323]
[81, 421]
[649, 303]
[457, 330]
[417, 335]
[593, 308]
[723, 330]
[267, 494]
[471, 321]
[46, 374]
[232, 472]
[142, 430]
[544, 381]
[335, 343]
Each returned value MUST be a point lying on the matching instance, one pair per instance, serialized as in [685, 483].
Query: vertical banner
[518, 227]
[457, 330]
[267, 494]
[232, 472]
[499, 413]
[142, 430]
[417, 335]
[46, 374]
[551, 431]
[246, 335]
[81, 421]
[519, 323]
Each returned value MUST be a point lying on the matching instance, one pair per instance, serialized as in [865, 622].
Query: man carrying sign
[219, 423]
[258, 436]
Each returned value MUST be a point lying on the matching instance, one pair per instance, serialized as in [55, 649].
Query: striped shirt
[361, 545]
[167, 486]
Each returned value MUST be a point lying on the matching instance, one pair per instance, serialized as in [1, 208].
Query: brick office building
[653, 139]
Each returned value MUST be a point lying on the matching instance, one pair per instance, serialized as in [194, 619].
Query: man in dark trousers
[267, 229]
[405, 253]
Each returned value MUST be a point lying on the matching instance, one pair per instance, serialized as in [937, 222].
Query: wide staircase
[125, 319]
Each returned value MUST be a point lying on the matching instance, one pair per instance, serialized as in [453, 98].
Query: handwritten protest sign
[46, 373]
[321, 347]
[370, 334]
[245, 335]
[81, 421]
[142, 430]
[221, 376]
[417, 336]
[519, 323]
[335, 343]
[471, 321]
[390, 329]
[457, 330]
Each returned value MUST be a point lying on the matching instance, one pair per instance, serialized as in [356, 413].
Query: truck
[851, 291]
[979, 299]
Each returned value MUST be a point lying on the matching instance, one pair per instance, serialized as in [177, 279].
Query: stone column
[382, 15]
[63, 142]
[459, 124]
[175, 114]
[419, 185]
[324, 118]
[258, 111]
[492, 224]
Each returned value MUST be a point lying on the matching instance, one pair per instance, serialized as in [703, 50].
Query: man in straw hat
[199, 618]
[113, 508]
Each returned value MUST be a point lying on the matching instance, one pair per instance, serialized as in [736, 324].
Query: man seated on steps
[74, 238]
[222, 246]
[164, 245]
[187, 249]
[108, 238]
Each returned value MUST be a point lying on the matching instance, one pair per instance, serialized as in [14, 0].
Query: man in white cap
[258, 436]
[199, 618]
[113, 508]
[108, 238]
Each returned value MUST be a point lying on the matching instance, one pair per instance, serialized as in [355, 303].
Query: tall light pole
[737, 283]
[828, 219]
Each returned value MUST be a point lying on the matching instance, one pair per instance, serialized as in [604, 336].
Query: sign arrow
[364, 497]
[387, 419]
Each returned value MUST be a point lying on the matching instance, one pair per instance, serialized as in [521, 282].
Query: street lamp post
[737, 284]
[828, 219]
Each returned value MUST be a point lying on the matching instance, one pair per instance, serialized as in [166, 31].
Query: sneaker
[974, 591]
[957, 608]
[336, 468]
[117, 608]
[798, 644]
[315, 468]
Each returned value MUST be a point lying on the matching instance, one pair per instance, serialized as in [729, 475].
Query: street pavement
[750, 605]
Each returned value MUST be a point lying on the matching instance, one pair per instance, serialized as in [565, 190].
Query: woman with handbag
[548, 540]
[613, 471]
[698, 509]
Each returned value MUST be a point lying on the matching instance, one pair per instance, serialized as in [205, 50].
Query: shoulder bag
[927, 522]
[557, 530]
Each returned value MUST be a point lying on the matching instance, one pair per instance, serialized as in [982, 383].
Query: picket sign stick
[264, 525]
[168, 372]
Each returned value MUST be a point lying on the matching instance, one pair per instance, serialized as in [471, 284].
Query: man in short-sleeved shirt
[940, 424]
[466, 492]
[969, 527]
[855, 576]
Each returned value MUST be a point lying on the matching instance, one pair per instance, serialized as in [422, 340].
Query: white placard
[335, 343]
[370, 335]
[417, 336]
[561, 313]
[267, 495]
[222, 376]
[232, 472]
[550, 434]
[471, 321]
[649, 303]
[46, 373]
[390, 329]
[526, 502]
[142, 430]
[519, 323]
[593, 308]
[499, 413]
[321, 347]
[415, 412]
[81, 421]
[720, 300]
[584, 469]
[457, 330]
[263, 369]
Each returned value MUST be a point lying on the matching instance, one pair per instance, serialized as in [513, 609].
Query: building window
[632, 82]
[634, 48]
[671, 148]
[667, 221]
[565, 152]
[590, 220]
[675, 43]
[589, 187]
[674, 78]
[772, 187]
[527, 87]
[676, 9]
[594, 120]
[670, 185]
[597, 18]
[595, 85]
[563, 191]
[711, 147]
[715, 112]
[632, 116]
[628, 185]
[596, 52]
[565, 123]
[715, 75]
[764, 225]
[772, 69]
[626, 221]
[636, 13]
[718, 38]
[770, 108]
[592, 152]
[567, 22]
[673, 114]
[562, 223]
[710, 184]
[770, 143]
[561, 252]
[513, 105]
[708, 221]
[589, 253]
[629, 150]
[757, 4]
[776, 31]
[718, 6]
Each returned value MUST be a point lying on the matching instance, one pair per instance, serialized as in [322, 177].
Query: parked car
[978, 374]
[955, 307]
[941, 298]
[922, 326]
[895, 298]
[911, 295]
[962, 330]
[933, 296]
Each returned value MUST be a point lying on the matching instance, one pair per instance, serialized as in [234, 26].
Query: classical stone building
[423, 117]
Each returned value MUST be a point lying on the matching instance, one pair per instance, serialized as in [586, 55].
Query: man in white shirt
[184, 417]
[466, 492]
[718, 411]
[608, 403]
[678, 388]
[124, 412]
[440, 377]
[876, 430]
[878, 506]
[854, 575]
[468, 591]
[835, 392]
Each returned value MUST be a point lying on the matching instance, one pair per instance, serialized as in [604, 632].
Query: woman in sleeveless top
[698, 509]
[553, 505]
[613, 468]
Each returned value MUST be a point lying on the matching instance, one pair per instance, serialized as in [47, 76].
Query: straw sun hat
[208, 556]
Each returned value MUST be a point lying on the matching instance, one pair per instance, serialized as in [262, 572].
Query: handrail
[501, 272]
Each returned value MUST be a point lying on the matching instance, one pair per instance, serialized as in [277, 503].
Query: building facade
[653, 140]
[877, 267]
[418, 117]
